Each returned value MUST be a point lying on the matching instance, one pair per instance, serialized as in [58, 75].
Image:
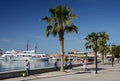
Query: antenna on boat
[27, 45]
[35, 47]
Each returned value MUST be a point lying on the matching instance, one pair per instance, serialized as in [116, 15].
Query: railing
[12, 74]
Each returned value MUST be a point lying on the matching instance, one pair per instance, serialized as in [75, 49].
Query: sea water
[20, 65]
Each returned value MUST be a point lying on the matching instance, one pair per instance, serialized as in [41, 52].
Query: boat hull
[23, 57]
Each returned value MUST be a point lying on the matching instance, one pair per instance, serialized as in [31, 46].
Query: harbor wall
[12, 74]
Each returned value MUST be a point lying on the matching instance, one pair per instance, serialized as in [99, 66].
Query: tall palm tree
[59, 22]
[92, 42]
[98, 42]
[103, 47]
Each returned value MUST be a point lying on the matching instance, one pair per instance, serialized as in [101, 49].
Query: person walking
[27, 67]
[85, 64]
[56, 65]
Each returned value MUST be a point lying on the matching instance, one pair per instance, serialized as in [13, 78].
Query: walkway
[105, 73]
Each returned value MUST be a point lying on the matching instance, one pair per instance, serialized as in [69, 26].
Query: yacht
[23, 55]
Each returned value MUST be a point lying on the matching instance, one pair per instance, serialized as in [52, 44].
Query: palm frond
[71, 16]
[56, 29]
[67, 22]
[52, 11]
[48, 30]
[45, 18]
[71, 29]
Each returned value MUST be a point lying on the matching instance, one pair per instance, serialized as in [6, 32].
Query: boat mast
[35, 48]
[27, 45]
[1, 51]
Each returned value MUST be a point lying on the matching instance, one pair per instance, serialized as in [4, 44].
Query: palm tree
[59, 23]
[92, 42]
[116, 50]
[103, 47]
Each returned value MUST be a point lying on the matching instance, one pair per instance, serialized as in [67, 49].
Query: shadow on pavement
[95, 69]
[82, 72]
[66, 73]
[38, 77]
[89, 69]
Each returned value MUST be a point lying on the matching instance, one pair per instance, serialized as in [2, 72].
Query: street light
[96, 66]
[112, 60]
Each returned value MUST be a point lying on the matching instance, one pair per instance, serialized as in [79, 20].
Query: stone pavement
[105, 73]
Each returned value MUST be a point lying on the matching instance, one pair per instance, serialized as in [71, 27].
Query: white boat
[23, 55]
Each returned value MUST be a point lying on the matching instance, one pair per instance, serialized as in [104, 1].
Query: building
[76, 55]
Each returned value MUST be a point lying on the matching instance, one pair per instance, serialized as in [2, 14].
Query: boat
[23, 55]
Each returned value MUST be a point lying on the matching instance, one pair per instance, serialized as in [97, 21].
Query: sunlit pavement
[105, 73]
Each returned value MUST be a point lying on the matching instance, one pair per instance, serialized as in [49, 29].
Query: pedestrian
[56, 65]
[27, 67]
[70, 64]
[85, 64]
[66, 65]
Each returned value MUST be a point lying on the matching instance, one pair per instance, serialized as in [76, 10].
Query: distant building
[55, 57]
[91, 54]
[72, 51]
[76, 55]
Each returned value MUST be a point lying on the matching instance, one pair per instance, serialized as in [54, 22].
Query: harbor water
[20, 65]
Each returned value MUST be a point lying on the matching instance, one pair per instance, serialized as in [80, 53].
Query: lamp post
[96, 66]
[112, 60]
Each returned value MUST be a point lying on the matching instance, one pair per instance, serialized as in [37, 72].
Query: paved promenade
[105, 73]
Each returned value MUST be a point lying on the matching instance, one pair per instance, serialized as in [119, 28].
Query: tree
[98, 42]
[103, 47]
[59, 22]
[116, 50]
[92, 42]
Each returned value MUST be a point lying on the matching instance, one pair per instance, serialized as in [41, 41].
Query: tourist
[56, 65]
[85, 64]
[70, 64]
[27, 64]
[66, 65]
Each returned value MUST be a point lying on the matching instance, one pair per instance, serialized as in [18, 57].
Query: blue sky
[20, 21]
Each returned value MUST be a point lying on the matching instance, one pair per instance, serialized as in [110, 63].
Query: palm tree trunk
[102, 58]
[62, 55]
[94, 60]
[61, 40]
[95, 51]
